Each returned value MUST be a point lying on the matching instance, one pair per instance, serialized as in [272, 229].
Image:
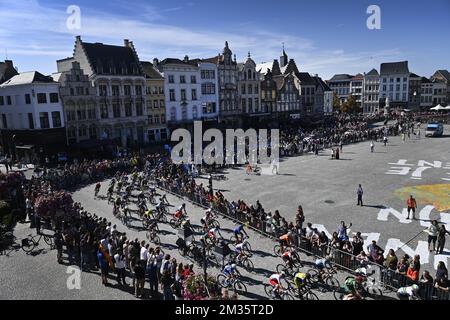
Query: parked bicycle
[31, 242]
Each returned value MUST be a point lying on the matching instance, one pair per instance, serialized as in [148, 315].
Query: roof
[413, 75]
[394, 68]
[290, 67]
[425, 80]
[7, 70]
[150, 71]
[341, 77]
[357, 77]
[102, 57]
[305, 78]
[214, 60]
[372, 72]
[27, 78]
[56, 76]
[445, 74]
[321, 83]
[264, 67]
[179, 61]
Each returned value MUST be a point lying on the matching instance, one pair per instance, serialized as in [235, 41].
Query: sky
[324, 37]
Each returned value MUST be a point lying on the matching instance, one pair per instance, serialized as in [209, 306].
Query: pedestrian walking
[412, 205]
[441, 239]
[372, 146]
[359, 193]
[432, 231]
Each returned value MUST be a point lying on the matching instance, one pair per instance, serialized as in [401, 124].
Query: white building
[394, 83]
[31, 114]
[182, 90]
[356, 88]
[209, 94]
[426, 94]
[371, 90]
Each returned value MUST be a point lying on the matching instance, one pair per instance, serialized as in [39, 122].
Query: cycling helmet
[233, 266]
[282, 273]
[415, 287]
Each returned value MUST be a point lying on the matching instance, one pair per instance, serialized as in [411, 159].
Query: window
[171, 79]
[41, 98]
[398, 79]
[91, 113]
[243, 104]
[194, 112]
[250, 106]
[243, 89]
[182, 79]
[150, 119]
[155, 90]
[72, 92]
[163, 118]
[139, 109]
[183, 94]
[128, 111]
[161, 103]
[161, 90]
[249, 89]
[8, 100]
[27, 98]
[391, 87]
[87, 91]
[30, 121]
[116, 110]
[172, 94]
[384, 87]
[212, 74]
[155, 104]
[5, 123]
[115, 91]
[80, 91]
[2, 101]
[384, 80]
[193, 79]
[81, 112]
[92, 132]
[249, 72]
[397, 87]
[404, 86]
[203, 74]
[183, 113]
[404, 79]
[104, 111]
[54, 98]
[404, 96]
[173, 114]
[138, 90]
[101, 88]
[156, 119]
[194, 94]
[127, 90]
[43, 118]
[56, 119]
[82, 131]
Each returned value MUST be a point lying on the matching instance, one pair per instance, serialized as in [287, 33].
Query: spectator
[441, 239]
[119, 259]
[432, 231]
[357, 243]
[102, 260]
[167, 282]
[139, 274]
[403, 265]
[426, 278]
[375, 252]
[414, 270]
[391, 260]
[441, 271]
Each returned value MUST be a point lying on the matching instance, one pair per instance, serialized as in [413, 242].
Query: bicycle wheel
[296, 259]
[163, 218]
[332, 283]
[233, 239]
[281, 268]
[277, 250]
[311, 296]
[28, 244]
[240, 287]
[156, 240]
[222, 280]
[248, 264]
[173, 223]
[287, 296]
[269, 290]
[314, 274]
[48, 240]
[373, 291]
[339, 294]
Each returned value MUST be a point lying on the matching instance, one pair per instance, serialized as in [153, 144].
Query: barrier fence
[384, 278]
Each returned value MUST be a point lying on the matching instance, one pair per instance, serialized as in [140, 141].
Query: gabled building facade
[371, 90]
[249, 87]
[340, 84]
[394, 83]
[443, 76]
[120, 85]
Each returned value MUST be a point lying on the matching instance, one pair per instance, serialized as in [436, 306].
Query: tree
[336, 102]
[350, 106]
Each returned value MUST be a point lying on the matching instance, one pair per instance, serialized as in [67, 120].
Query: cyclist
[287, 257]
[239, 231]
[97, 189]
[301, 280]
[285, 240]
[209, 215]
[275, 282]
[321, 265]
[182, 209]
[230, 270]
[410, 293]
[351, 287]
[239, 249]
[142, 207]
[110, 191]
[141, 196]
[213, 234]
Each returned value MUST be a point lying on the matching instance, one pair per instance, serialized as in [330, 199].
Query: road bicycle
[31, 242]
[326, 277]
[232, 282]
[152, 236]
[280, 294]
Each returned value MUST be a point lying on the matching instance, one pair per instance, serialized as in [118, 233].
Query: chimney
[78, 38]
[9, 64]
[155, 62]
[126, 42]
[186, 59]
[316, 75]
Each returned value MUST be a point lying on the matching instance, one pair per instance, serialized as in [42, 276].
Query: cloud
[31, 29]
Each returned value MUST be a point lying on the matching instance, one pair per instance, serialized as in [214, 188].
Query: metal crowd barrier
[389, 279]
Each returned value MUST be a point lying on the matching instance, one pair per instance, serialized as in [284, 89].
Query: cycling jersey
[350, 284]
[287, 255]
[228, 270]
[275, 278]
[213, 233]
[178, 214]
[300, 279]
[238, 229]
[239, 247]
[321, 263]
[284, 237]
